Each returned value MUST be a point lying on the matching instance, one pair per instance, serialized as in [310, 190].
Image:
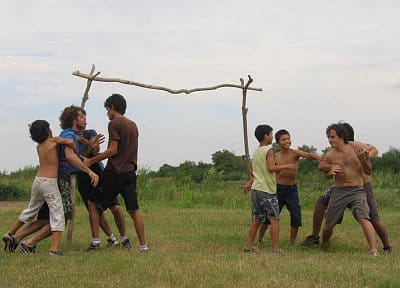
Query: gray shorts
[341, 198]
[373, 206]
[324, 198]
[265, 206]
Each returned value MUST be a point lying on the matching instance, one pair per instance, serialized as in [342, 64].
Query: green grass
[202, 247]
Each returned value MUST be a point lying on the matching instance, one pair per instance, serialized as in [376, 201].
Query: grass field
[192, 247]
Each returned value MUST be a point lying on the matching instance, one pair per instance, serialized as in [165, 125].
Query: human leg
[261, 231]
[274, 232]
[378, 224]
[119, 219]
[369, 233]
[251, 235]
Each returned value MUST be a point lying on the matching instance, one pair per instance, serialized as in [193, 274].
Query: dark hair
[280, 133]
[39, 130]
[261, 130]
[68, 115]
[116, 101]
[349, 129]
[340, 131]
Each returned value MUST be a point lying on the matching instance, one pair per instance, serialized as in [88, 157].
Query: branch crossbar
[172, 91]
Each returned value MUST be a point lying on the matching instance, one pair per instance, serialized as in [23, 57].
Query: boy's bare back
[48, 159]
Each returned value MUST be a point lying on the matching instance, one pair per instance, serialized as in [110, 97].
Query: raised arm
[362, 155]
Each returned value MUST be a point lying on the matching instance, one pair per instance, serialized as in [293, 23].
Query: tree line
[232, 167]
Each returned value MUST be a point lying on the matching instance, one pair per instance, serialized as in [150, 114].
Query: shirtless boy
[44, 187]
[286, 180]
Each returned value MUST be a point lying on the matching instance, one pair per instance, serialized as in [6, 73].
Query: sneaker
[93, 247]
[143, 248]
[250, 250]
[387, 249]
[10, 244]
[112, 243]
[310, 240]
[126, 244]
[26, 248]
[58, 252]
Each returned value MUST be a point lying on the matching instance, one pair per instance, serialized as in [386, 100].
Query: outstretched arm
[272, 167]
[308, 155]
[111, 151]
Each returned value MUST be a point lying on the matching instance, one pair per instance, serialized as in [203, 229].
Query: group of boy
[347, 161]
[62, 163]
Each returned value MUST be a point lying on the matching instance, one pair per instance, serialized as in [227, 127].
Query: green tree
[307, 165]
[232, 167]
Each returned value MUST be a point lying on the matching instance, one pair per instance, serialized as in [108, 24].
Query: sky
[318, 62]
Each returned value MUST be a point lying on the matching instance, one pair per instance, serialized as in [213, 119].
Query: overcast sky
[317, 62]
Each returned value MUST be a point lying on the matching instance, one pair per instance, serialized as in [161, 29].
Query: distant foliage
[389, 161]
[231, 166]
[17, 185]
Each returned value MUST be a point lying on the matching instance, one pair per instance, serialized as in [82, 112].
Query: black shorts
[288, 196]
[114, 184]
[85, 188]
[44, 212]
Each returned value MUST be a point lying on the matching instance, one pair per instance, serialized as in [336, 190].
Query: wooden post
[244, 116]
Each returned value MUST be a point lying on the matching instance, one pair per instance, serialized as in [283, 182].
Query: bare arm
[308, 155]
[362, 155]
[372, 151]
[277, 168]
[111, 151]
[75, 161]
[248, 185]
[65, 141]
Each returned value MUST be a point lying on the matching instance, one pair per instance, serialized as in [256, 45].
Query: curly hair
[68, 115]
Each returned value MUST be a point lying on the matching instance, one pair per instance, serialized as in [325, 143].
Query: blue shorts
[288, 196]
[265, 206]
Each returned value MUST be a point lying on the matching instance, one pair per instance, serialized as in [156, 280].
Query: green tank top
[264, 180]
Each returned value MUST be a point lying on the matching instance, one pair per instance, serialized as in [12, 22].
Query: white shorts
[45, 190]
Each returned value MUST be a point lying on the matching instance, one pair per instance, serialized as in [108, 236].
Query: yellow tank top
[264, 180]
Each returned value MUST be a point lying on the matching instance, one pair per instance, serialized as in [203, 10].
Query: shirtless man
[346, 165]
[323, 201]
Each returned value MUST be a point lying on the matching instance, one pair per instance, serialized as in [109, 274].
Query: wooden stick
[244, 116]
[150, 86]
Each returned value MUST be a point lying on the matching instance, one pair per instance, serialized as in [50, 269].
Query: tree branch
[172, 91]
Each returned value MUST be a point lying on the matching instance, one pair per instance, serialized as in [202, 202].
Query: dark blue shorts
[114, 184]
[288, 196]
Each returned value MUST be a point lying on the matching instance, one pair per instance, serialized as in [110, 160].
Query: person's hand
[95, 141]
[94, 178]
[247, 188]
[335, 170]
